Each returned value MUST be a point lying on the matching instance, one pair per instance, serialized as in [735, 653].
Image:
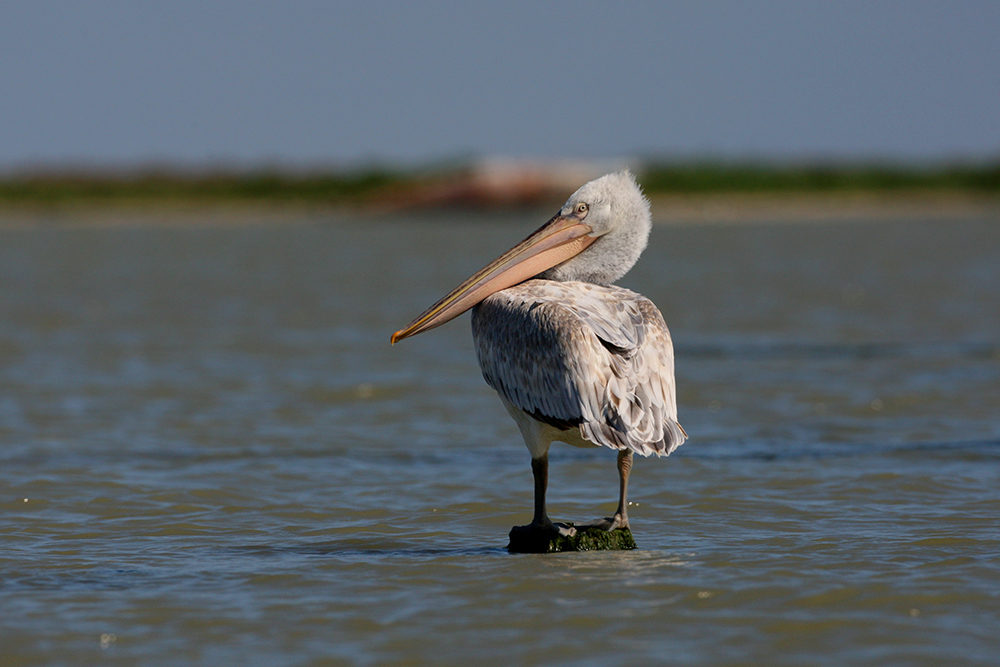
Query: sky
[306, 84]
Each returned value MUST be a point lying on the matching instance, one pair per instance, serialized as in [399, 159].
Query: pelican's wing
[575, 354]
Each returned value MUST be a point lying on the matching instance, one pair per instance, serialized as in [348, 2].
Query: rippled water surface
[210, 454]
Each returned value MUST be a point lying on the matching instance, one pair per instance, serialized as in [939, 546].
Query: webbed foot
[539, 537]
[545, 528]
[608, 523]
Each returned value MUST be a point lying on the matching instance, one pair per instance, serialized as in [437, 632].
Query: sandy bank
[818, 207]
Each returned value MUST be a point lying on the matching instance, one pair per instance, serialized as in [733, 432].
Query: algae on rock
[590, 538]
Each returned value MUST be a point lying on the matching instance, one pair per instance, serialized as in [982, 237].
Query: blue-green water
[210, 454]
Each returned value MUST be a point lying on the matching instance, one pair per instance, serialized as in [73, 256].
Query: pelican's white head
[615, 209]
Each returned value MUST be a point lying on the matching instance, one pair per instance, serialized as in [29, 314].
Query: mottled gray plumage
[594, 362]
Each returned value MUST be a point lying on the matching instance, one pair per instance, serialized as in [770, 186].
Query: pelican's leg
[540, 521]
[620, 519]
[540, 471]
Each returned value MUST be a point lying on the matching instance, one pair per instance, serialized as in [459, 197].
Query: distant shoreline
[669, 209]
[680, 193]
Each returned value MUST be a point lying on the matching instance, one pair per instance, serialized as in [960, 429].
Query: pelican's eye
[581, 209]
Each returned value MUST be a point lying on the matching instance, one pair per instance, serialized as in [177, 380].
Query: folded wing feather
[578, 355]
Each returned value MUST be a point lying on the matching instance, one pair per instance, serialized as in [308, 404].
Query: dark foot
[547, 528]
[537, 538]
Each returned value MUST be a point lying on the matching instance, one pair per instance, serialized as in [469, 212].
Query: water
[209, 453]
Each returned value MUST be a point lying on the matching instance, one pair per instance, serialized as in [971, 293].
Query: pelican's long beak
[553, 243]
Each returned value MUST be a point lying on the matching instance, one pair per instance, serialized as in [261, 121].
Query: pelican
[574, 358]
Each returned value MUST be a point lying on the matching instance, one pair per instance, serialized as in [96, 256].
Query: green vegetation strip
[55, 187]
[372, 185]
[749, 177]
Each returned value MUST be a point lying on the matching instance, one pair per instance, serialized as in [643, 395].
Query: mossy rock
[526, 541]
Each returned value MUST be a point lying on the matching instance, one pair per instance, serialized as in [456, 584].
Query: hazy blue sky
[301, 83]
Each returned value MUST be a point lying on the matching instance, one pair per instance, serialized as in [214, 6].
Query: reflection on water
[209, 452]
